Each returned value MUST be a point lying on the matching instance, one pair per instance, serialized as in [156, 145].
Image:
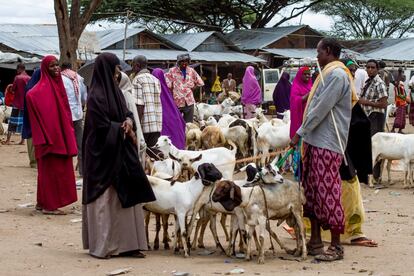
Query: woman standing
[251, 93]
[281, 94]
[114, 181]
[301, 87]
[173, 124]
[53, 138]
[401, 102]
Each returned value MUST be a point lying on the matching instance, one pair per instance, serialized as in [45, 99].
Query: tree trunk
[70, 27]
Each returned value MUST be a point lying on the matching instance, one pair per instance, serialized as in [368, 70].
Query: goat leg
[389, 170]
[157, 231]
[223, 225]
[147, 220]
[279, 242]
[213, 229]
[301, 228]
[165, 238]
[262, 230]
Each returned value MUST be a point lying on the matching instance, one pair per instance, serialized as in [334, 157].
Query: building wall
[140, 41]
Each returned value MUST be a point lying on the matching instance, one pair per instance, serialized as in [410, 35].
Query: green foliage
[363, 19]
[184, 15]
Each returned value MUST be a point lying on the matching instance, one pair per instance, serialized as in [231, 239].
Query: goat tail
[233, 145]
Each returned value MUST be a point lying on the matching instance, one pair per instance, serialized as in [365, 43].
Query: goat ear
[172, 157]
[196, 175]
[234, 198]
[232, 192]
[198, 158]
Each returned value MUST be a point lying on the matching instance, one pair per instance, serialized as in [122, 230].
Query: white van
[270, 77]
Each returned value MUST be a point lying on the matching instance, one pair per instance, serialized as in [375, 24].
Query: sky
[42, 12]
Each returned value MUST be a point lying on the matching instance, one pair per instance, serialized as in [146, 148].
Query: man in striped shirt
[146, 91]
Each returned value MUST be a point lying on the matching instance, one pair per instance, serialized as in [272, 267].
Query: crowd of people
[333, 116]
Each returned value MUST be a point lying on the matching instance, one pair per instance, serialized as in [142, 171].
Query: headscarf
[281, 94]
[297, 106]
[110, 158]
[26, 130]
[173, 124]
[251, 93]
[50, 115]
[73, 76]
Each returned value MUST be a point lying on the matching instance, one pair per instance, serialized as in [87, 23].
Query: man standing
[182, 80]
[16, 118]
[147, 91]
[77, 93]
[229, 84]
[329, 104]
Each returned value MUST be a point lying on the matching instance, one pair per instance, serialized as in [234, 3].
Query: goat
[394, 146]
[206, 110]
[180, 198]
[212, 137]
[282, 201]
[193, 139]
[222, 158]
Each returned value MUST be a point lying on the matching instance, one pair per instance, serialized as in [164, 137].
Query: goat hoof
[156, 246]
[176, 250]
[260, 260]
[166, 246]
[149, 248]
[201, 246]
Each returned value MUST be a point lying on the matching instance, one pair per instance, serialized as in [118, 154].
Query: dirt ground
[35, 244]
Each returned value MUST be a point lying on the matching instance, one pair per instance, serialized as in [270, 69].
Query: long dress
[173, 124]
[281, 94]
[53, 139]
[114, 180]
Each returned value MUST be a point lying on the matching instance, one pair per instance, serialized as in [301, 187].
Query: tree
[203, 15]
[71, 22]
[362, 19]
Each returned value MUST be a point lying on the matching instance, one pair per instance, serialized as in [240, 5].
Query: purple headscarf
[281, 94]
[297, 105]
[251, 93]
[173, 124]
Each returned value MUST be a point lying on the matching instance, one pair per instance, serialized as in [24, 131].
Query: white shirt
[361, 77]
[75, 104]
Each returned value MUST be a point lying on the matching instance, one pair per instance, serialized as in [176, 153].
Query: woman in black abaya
[114, 183]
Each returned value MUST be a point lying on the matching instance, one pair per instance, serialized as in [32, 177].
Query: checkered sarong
[16, 121]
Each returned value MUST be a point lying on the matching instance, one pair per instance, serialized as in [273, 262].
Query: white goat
[179, 199]
[394, 146]
[224, 159]
[205, 110]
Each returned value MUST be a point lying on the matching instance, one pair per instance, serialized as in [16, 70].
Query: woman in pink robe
[53, 139]
[251, 93]
[301, 87]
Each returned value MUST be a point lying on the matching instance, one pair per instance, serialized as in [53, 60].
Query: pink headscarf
[251, 93]
[297, 106]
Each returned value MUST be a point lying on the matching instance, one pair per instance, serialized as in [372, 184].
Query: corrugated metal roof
[401, 51]
[304, 53]
[260, 38]
[34, 39]
[171, 55]
[109, 37]
[188, 41]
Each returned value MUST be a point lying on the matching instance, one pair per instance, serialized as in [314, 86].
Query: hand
[127, 126]
[363, 101]
[294, 141]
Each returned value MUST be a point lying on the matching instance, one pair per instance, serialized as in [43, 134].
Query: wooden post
[128, 14]
[201, 88]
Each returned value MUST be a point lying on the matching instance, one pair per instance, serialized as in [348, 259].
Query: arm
[328, 97]
[83, 90]
[138, 94]
[197, 79]
[383, 98]
[169, 80]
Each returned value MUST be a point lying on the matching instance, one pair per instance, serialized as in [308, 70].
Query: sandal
[134, 253]
[364, 242]
[333, 253]
[314, 249]
[38, 207]
[56, 212]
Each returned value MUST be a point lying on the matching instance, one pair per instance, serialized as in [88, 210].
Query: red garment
[322, 185]
[53, 139]
[56, 186]
[19, 84]
[9, 97]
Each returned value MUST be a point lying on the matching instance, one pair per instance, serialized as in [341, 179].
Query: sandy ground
[35, 244]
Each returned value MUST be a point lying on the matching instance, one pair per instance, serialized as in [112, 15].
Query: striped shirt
[146, 91]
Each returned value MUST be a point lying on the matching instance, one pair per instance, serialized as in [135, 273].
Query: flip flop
[364, 242]
[56, 212]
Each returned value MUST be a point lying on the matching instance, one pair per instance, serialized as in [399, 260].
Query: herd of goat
[196, 184]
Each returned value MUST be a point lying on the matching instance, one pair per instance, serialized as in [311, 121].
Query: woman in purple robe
[281, 94]
[302, 85]
[173, 124]
[251, 94]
